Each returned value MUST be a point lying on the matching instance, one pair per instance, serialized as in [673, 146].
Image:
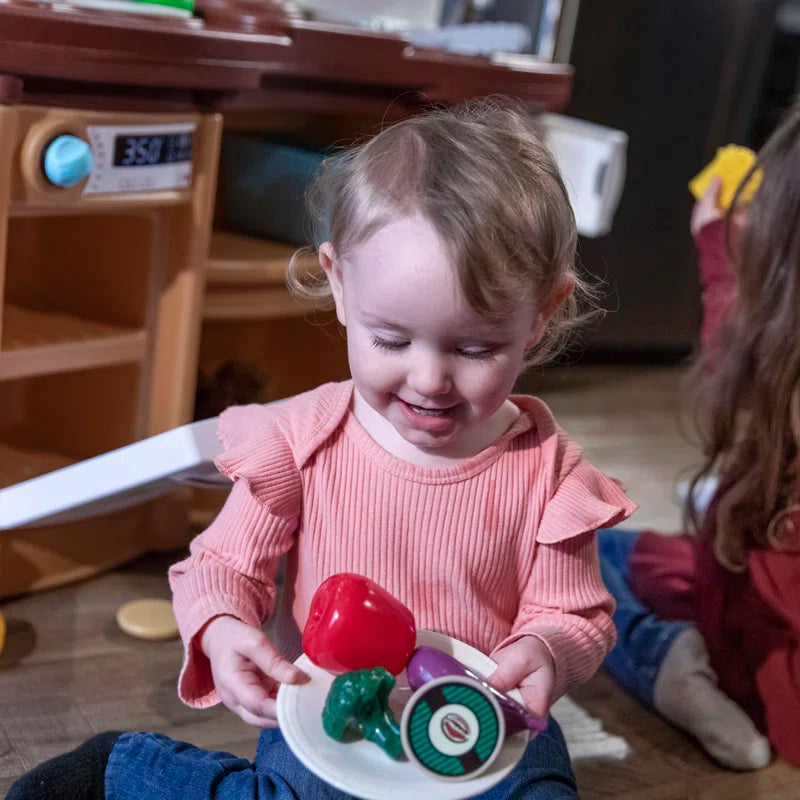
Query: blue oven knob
[67, 161]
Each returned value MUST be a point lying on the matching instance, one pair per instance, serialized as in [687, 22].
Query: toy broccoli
[359, 700]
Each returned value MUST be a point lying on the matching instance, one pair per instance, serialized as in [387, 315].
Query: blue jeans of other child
[643, 639]
[149, 766]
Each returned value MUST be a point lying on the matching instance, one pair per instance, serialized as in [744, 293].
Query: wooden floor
[67, 671]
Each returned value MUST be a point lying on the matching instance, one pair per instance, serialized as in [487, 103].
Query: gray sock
[686, 693]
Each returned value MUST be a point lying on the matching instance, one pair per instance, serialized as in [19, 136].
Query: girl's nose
[430, 376]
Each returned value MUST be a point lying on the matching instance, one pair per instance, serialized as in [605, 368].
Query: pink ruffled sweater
[499, 546]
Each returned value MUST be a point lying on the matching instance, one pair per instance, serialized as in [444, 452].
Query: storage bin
[592, 160]
[265, 188]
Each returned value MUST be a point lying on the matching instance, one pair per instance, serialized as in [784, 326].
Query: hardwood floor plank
[11, 763]
[43, 726]
[82, 623]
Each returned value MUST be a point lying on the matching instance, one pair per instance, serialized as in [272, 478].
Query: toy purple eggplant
[427, 663]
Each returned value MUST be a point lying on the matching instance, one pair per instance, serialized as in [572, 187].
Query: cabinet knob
[67, 160]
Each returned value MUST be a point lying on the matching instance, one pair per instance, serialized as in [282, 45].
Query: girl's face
[429, 365]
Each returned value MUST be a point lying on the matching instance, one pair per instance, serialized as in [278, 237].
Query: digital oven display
[146, 151]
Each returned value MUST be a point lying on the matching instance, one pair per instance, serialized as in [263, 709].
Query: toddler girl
[738, 581]
[449, 257]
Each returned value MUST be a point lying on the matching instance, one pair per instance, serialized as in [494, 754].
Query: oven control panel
[140, 158]
[75, 158]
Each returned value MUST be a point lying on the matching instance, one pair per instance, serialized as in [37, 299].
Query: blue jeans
[148, 766]
[643, 639]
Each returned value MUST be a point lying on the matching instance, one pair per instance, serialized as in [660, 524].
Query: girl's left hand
[528, 666]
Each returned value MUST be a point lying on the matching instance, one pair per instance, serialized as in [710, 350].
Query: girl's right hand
[247, 669]
[706, 210]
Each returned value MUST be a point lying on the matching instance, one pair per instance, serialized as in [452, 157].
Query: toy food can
[452, 728]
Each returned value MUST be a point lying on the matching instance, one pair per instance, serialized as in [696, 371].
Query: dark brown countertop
[239, 55]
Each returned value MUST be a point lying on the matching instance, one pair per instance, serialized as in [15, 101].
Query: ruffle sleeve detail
[237, 423]
[262, 458]
[585, 500]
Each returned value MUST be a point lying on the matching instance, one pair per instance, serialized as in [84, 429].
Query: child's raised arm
[717, 281]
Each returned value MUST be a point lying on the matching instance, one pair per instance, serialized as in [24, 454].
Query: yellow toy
[731, 164]
[2, 631]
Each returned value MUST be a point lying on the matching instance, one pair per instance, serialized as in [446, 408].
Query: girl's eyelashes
[478, 355]
[396, 345]
[392, 345]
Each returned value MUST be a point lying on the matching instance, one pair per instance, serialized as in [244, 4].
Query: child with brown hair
[450, 258]
[738, 580]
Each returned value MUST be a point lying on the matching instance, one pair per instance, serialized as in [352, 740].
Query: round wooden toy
[148, 618]
[453, 728]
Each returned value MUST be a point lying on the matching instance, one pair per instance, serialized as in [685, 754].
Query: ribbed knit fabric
[498, 546]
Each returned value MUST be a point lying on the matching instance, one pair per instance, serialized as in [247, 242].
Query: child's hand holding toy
[247, 669]
[729, 167]
[715, 186]
[706, 210]
[527, 665]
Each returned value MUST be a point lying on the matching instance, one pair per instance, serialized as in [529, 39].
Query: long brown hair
[748, 408]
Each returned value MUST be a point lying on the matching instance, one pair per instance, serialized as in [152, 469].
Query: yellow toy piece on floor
[2, 631]
[148, 618]
[731, 164]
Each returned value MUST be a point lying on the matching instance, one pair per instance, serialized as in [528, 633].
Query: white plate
[361, 768]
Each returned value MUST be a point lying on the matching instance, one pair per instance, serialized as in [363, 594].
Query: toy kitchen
[120, 278]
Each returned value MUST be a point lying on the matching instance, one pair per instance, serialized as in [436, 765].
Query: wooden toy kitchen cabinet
[115, 284]
[102, 272]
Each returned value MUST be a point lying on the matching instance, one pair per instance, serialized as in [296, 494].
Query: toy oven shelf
[20, 465]
[36, 343]
[246, 279]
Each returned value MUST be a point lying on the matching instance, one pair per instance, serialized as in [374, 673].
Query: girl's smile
[432, 376]
[431, 419]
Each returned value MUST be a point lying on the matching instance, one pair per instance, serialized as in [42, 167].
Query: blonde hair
[482, 175]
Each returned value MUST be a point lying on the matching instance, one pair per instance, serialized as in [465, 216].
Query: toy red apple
[353, 623]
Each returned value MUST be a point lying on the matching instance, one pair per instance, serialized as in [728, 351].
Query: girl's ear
[561, 292]
[329, 262]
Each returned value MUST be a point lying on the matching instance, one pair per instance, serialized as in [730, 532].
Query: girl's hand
[706, 210]
[247, 669]
[528, 666]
